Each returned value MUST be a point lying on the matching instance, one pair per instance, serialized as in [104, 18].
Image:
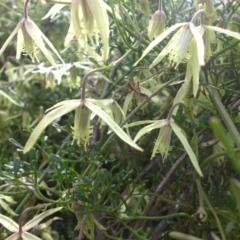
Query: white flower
[162, 144]
[30, 40]
[83, 109]
[178, 46]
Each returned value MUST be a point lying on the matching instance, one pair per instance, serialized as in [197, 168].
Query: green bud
[157, 24]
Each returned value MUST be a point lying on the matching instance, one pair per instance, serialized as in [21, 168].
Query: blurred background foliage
[108, 191]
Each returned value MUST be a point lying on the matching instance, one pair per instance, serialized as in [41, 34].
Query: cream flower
[30, 39]
[90, 18]
[81, 131]
[178, 46]
[162, 144]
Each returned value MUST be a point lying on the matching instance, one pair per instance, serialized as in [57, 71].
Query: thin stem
[211, 209]
[142, 104]
[172, 108]
[160, 5]
[26, 9]
[27, 210]
[84, 82]
[74, 55]
[195, 16]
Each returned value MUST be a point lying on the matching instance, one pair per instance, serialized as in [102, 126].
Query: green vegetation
[119, 120]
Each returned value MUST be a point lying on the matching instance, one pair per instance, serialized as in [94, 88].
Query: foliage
[151, 150]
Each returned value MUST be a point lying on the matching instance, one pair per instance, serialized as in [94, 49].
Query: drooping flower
[30, 40]
[20, 231]
[162, 144]
[179, 44]
[81, 131]
[89, 19]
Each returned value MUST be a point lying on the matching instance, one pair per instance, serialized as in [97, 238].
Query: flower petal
[149, 128]
[53, 11]
[99, 12]
[224, 31]
[29, 236]
[14, 32]
[179, 132]
[110, 122]
[158, 39]
[32, 223]
[50, 117]
[8, 223]
[199, 41]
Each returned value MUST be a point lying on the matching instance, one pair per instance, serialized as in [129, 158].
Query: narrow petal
[14, 236]
[158, 39]
[171, 44]
[195, 65]
[29, 236]
[32, 223]
[20, 43]
[199, 41]
[100, 14]
[48, 42]
[49, 118]
[110, 122]
[179, 132]
[53, 11]
[70, 34]
[37, 38]
[8, 223]
[224, 31]
[149, 128]
[14, 32]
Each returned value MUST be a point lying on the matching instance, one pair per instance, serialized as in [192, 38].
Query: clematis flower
[30, 40]
[178, 46]
[81, 131]
[21, 232]
[89, 19]
[162, 144]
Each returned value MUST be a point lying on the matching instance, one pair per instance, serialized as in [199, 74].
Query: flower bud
[50, 80]
[157, 24]
[144, 6]
[26, 119]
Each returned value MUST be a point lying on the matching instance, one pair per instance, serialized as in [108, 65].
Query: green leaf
[235, 189]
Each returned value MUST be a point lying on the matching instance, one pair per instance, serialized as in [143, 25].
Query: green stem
[211, 209]
[224, 114]
[142, 104]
